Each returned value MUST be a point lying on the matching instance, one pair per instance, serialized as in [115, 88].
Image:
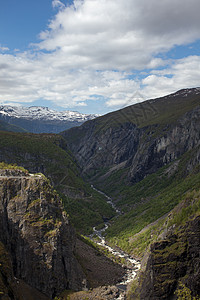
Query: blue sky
[95, 56]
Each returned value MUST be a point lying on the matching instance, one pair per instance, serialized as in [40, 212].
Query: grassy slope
[32, 151]
[157, 194]
[159, 111]
[149, 200]
[163, 110]
[176, 223]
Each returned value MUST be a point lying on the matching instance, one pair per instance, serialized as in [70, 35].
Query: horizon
[96, 57]
[98, 115]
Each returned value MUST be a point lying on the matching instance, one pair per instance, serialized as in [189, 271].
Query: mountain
[138, 139]
[49, 154]
[40, 253]
[37, 234]
[38, 119]
[171, 268]
[147, 158]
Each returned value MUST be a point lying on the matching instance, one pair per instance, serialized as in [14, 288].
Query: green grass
[161, 111]
[48, 153]
[158, 112]
[85, 213]
[4, 166]
[146, 202]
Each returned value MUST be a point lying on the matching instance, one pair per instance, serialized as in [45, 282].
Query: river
[133, 265]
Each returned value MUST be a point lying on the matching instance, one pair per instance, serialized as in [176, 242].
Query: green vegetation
[163, 111]
[88, 211]
[184, 293]
[5, 166]
[48, 154]
[147, 201]
[157, 112]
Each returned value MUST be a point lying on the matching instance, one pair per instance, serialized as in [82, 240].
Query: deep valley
[78, 207]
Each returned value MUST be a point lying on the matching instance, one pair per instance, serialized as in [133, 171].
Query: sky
[96, 56]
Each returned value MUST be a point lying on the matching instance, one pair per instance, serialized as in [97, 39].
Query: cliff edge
[36, 236]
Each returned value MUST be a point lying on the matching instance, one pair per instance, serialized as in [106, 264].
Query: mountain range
[37, 119]
[146, 157]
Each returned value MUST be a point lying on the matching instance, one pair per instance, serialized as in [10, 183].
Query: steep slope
[36, 233]
[147, 157]
[125, 159]
[171, 266]
[49, 154]
[138, 139]
[38, 119]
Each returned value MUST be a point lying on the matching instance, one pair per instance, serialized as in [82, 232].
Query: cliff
[147, 157]
[37, 235]
[49, 154]
[172, 264]
[137, 140]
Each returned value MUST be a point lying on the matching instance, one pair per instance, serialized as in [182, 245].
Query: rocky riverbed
[132, 265]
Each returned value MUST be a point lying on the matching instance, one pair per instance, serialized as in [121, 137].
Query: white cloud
[57, 3]
[4, 49]
[183, 73]
[93, 47]
[118, 34]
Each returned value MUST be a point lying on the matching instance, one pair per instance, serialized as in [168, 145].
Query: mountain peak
[39, 119]
[43, 113]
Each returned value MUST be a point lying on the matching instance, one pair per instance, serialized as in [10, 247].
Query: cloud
[93, 49]
[118, 34]
[57, 3]
[4, 49]
[183, 73]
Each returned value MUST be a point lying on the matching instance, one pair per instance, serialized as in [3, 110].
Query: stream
[133, 265]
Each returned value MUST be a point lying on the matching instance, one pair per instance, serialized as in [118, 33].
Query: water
[133, 265]
[109, 200]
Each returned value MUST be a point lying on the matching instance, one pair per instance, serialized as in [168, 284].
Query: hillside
[146, 157]
[140, 165]
[40, 254]
[48, 154]
[171, 267]
[137, 139]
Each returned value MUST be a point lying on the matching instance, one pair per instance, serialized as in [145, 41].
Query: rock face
[171, 260]
[114, 142]
[36, 233]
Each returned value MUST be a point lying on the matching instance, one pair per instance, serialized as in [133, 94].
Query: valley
[113, 205]
[132, 266]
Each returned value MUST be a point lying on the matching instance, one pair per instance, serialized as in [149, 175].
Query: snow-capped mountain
[43, 113]
[39, 119]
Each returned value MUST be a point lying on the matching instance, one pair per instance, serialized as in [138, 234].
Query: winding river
[133, 265]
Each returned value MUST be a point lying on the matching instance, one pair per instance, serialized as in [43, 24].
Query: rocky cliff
[173, 265]
[36, 232]
[147, 157]
[49, 154]
[167, 128]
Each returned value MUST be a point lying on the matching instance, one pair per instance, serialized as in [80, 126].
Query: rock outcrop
[36, 232]
[174, 259]
[114, 142]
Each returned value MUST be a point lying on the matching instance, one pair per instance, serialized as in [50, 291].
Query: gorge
[145, 160]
